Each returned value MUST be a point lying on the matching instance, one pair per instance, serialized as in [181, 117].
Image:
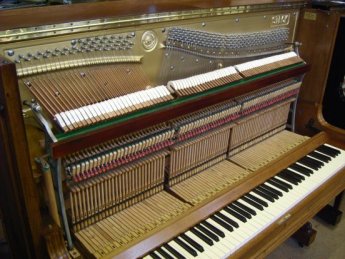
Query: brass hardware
[283, 219]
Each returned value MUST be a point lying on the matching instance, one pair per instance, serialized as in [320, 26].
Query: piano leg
[331, 214]
[305, 235]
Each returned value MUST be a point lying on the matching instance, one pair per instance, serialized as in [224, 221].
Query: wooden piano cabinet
[317, 31]
[18, 193]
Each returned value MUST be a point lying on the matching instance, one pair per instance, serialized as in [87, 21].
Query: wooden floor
[329, 243]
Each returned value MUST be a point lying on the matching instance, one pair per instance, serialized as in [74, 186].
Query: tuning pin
[10, 52]
[74, 42]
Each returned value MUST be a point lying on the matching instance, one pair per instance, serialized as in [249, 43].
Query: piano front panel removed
[220, 86]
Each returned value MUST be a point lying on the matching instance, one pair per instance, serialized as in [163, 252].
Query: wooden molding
[18, 194]
[29, 17]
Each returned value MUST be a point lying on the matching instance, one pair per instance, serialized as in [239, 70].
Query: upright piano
[159, 129]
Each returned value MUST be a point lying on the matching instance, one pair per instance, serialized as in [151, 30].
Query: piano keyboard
[227, 230]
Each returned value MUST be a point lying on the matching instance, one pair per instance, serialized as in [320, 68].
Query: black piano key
[331, 149]
[164, 254]
[254, 198]
[244, 207]
[320, 156]
[289, 186]
[240, 211]
[213, 228]
[192, 243]
[207, 232]
[290, 175]
[279, 193]
[297, 175]
[328, 150]
[268, 192]
[154, 255]
[308, 164]
[301, 169]
[288, 179]
[235, 214]
[276, 184]
[253, 203]
[173, 251]
[227, 219]
[222, 223]
[263, 195]
[315, 161]
[293, 174]
[202, 236]
[312, 163]
[185, 246]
